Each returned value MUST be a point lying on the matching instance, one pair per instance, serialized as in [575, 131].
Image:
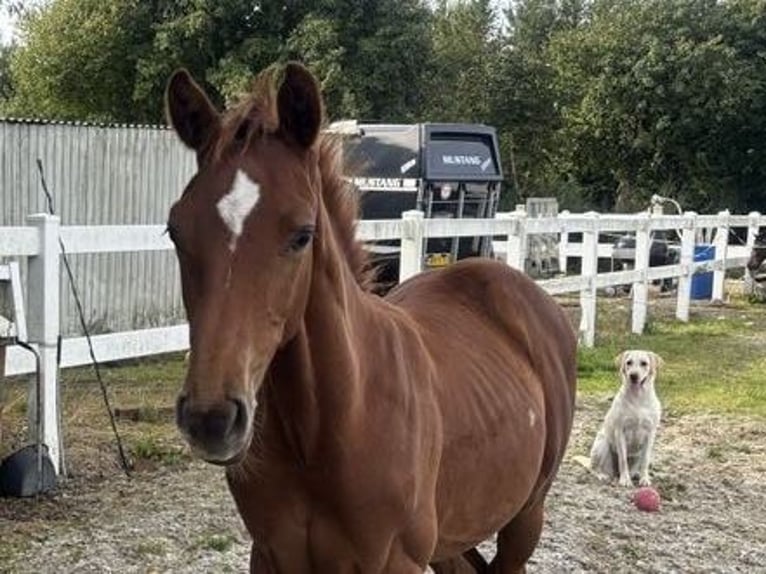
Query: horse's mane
[256, 115]
[341, 200]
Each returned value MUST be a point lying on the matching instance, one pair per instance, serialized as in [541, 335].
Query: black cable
[59, 402]
[81, 315]
[38, 411]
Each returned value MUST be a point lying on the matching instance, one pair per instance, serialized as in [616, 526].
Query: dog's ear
[618, 360]
[658, 361]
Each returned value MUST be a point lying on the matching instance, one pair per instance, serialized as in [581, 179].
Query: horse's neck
[317, 379]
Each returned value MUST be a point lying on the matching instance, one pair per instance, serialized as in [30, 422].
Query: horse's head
[243, 230]
[758, 254]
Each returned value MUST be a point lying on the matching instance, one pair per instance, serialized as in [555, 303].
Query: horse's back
[497, 299]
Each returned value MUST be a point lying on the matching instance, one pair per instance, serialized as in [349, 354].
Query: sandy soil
[179, 517]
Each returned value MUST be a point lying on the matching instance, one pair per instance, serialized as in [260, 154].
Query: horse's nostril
[240, 419]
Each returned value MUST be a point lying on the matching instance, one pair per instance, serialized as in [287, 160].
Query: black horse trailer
[444, 170]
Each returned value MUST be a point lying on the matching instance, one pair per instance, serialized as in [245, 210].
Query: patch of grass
[216, 542]
[715, 452]
[12, 547]
[149, 448]
[713, 363]
[631, 551]
[742, 448]
[669, 486]
[151, 548]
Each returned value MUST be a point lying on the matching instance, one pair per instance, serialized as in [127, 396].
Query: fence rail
[39, 243]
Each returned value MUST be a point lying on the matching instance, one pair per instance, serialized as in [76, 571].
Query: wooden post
[43, 327]
[589, 270]
[752, 229]
[516, 240]
[641, 286]
[720, 243]
[510, 226]
[687, 259]
[411, 259]
[563, 241]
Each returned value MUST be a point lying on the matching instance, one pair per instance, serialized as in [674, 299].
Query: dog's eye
[629, 362]
[644, 363]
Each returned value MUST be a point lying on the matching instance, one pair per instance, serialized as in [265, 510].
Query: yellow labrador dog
[624, 444]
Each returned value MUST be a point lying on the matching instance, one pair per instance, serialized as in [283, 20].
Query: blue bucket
[702, 283]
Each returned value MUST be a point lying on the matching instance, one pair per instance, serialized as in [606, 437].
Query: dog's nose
[634, 377]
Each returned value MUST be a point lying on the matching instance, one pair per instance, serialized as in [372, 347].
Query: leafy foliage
[599, 102]
[656, 96]
[465, 47]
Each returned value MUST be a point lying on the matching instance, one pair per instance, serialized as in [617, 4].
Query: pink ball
[647, 499]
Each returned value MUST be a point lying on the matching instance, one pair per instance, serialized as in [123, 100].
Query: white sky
[8, 22]
[6, 28]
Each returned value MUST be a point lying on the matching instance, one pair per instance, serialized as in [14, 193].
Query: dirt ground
[175, 515]
[179, 518]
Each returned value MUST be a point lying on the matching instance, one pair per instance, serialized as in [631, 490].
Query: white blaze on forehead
[235, 206]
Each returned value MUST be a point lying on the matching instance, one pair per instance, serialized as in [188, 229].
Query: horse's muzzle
[218, 432]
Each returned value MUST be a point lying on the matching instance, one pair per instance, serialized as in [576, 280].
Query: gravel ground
[179, 517]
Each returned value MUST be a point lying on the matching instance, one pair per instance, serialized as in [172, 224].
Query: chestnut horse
[359, 434]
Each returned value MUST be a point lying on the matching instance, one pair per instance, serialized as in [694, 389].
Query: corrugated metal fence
[101, 175]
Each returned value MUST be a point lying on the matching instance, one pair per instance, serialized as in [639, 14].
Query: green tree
[6, 83]
[385, 50]
[523, 98]
[222, 42]
[465, 48]
[110, 59]
[663, 96]
[79, 61]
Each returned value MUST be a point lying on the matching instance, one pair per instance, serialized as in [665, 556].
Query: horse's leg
[517, 541]
[475, 559]
[471, 562]
[259, 563]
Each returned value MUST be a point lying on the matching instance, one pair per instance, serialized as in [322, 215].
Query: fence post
[516, 240]
[589, 270]
[563, 241]
[411, 260]
[721, 243]
[510, 230]
[687, 259]
[752, 229]
[43, 326]
[641, 286]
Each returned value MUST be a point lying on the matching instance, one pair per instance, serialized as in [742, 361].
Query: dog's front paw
[644, 480]
[625, 481]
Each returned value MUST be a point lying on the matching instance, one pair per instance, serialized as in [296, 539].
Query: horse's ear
[189, 111]
[299, 103]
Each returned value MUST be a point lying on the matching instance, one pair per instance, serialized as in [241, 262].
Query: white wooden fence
[39, 242]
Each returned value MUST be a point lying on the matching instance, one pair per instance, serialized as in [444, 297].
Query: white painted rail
[38, 242]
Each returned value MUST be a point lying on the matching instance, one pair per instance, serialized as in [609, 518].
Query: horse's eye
[301, 238]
